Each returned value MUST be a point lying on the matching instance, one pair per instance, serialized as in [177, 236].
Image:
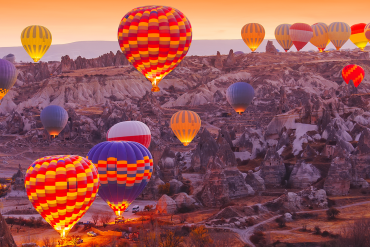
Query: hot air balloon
[240, 95]
[8, 76]
[353, 72]
[339, 33]
[320, 37]
[300, 33]
[61, 189]
[154, 39]
[253, 35]
[54, 118]
[185, 125]
[124, 170]
[130, 131]
[367, 32]
[358, 35]
[282, 36]
[36, 40]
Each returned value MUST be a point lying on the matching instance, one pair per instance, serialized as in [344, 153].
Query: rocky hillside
[304, 127]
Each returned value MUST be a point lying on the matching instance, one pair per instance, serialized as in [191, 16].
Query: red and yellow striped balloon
[353, 72]
[154, 39]
[358, 35]
[62, 188]
[367, 31]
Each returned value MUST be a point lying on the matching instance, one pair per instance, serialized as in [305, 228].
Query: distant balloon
[61, 189]
[353, 72]
[154, 39]
[8, 76]
[10, 58]
[358, 35]
[125, 168]
[135, 131]
[339, 33]
[282, 36]
[367, 32]
[301, 34]
[253, 35]
[36, 40]
[54, 118]
[185, 125]
[240, 95]
[320, 37]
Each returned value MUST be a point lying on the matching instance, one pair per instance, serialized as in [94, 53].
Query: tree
[332, 213]
[199, 237]
[95, 218]
[281, 221]
[169, 239]
[183, 218]
[164, 189]
[105, 218]
[148, 207]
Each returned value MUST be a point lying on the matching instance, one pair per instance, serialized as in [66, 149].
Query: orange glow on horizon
[84, 20]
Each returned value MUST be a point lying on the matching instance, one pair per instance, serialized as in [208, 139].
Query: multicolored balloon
[339, 33]
[353, 72]
[54, 118]
[282, 36]
[61, 189]
[367, 32]
[358, 35]
[253, 35]
[36, 40]
[185, 125]
[124, 170]
[240, 95]
[135, 131]
[320, 37]
[154, 39]
[301, 34]
[8, 77]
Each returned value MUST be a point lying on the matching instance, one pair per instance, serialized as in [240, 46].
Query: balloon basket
[186, 143]
[155, 89]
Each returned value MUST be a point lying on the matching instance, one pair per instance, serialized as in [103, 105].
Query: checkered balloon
[62, 188]
[154, 39]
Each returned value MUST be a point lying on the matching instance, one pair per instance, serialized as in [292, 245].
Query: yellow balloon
[320, 37]
[358, 35]
[253, 35]
[339, 33]
[185, 125]
[36, 40]
[282, 36]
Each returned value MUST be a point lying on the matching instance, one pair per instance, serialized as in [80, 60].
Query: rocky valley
[301, 147]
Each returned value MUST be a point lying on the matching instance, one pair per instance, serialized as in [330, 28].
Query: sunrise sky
[82, 20]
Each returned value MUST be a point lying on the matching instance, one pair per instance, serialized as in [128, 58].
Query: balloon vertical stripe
[185, 125]
[282, 36]
[320, 37]
[253, 35]
[36, 40]
[8, 77]
[339, 33]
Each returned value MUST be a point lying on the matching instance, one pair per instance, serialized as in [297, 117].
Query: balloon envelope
[320, 37]
[61, 189]
[282, 36]
[301, 34]
[54, 118]
[353, 72]
[124, 170]
[8, 76]
[367, 32]
[339, 33]
[358, 35]
[135, 131]
[185, 125]
[253, 35]
[154, 39]
[36, 40]
[240, 95]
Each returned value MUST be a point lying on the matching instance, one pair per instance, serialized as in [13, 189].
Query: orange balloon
[185, 125]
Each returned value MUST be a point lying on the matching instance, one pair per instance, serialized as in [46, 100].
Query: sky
[98, 20]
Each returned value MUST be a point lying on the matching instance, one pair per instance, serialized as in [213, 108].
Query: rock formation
[207, 147]
[166, 205]
[270, 48]
[303, 175]
[6, 238]
[255, 181]
[338, 180]
[272, 168]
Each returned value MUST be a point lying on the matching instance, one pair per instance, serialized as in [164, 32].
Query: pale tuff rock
[339, 177]
[207, 147]
[252, 141]
[166, 205]
[255, 181]
[175, 186]
[184, 200]
[270, 48]
[303, 175]
[169, 166]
